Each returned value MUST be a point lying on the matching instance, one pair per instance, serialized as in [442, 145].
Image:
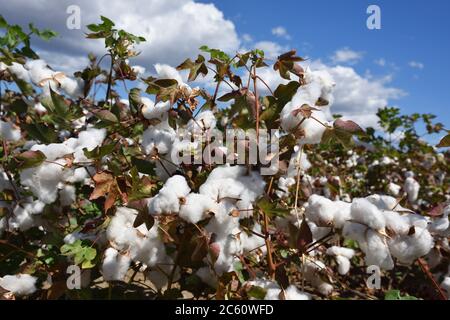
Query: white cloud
[416, 65]
[346, 55]
[381, 62]
[246, 37]
[174, 29]
[281, 32]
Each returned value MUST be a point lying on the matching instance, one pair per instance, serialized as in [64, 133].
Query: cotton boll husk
[408, 248]
[67, 195]
[164, 169]
[365, 212]
[115, 265]
[196, 207]
[20, 284]
[377, 251]
[168, 198]
[9, 132]
[412, 188]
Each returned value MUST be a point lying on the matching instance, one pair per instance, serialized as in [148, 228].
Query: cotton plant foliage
[122, 171]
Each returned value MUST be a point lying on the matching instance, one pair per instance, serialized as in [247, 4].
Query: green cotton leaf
[396, 295]
[143, 166]
[3, 23]
[195, 67]
[90, 253]
[25, 87]
[445, 142]
[257, 292]
[41, 132]
[59, 104]
[216, 54]
[29, 159]
[285, 92]
[238, 268]
[99, 152]
[271, 208]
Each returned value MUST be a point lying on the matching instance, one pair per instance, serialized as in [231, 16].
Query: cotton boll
[341, 251]
[45, 179]
[165, 71]
[67, 195]
[397, 223]
[89, 139]
[320, 210]
[9, 132]
[19, 71]
[408, 248]
[151, 111]
[377, 251]
[343, 265]
[292, 293]
[53, 151]
[205, 121]
[365, 212]
[393, 189]
[115, 265]
[196, 207]
[342, 213]
[312, 274]
[159, 138]
[168, 198]
[20, 284]
[73, 87]
[24, 214]
[412, 188]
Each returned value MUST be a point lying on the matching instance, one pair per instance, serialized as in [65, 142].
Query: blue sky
[405, 64]
[411, 31]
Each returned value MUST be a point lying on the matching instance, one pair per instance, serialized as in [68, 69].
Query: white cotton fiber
[169, 197]
[196, 207]
[365, 212]
[158, 111]
[20, 284]
[377, 251]
[158, 138]
[408, 248]
[412, 188]
[9, 132]
[115, 265]
[204, 122]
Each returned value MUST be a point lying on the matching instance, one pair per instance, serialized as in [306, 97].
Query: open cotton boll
[363, 211]
[320, 210]
[38, 70]
[73, 87]
[377, 251]
[441, 225]
[341, 251]
[397, 223]
[412, 188]
[158, 111]
[115, 265]
[39, 108]
[312, 273]
[23, 217]
[20, 284]
[53, 151]
[343, 265]
[408, 248]
[196, 207]
[293, 293]
[9, 132]
[45, 179]
[168, 198]
[205, 121]
[158, 138]
[89, 139]
[67, 195]
[19, 71]
[393, 189]
[165, 71]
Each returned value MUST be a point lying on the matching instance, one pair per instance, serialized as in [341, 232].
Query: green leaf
[61, 108]
[257, 292]
[99, 152]
[271, 208]
[395, 295]
[41, 132]
[3, 23]
[143, 166]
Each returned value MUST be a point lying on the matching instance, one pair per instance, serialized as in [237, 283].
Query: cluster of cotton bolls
[318, 85]
[382, 228]
[40, 74]
[53, 179]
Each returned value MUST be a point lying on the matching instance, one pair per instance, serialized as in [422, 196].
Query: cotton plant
[139, 192]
